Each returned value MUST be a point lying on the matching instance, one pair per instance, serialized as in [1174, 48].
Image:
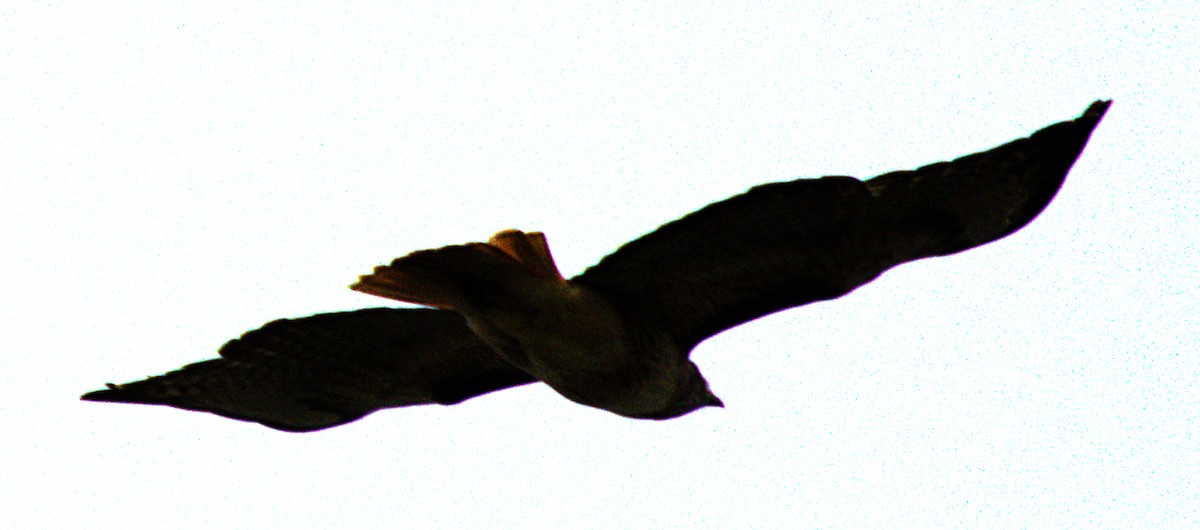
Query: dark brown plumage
[316, 372]
[617, 336]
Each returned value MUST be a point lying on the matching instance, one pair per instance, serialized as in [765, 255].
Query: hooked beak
[711, 400]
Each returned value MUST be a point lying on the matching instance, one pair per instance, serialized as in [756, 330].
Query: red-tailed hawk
[618, 336]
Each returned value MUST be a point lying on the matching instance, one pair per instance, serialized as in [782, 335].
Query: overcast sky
[178, 173]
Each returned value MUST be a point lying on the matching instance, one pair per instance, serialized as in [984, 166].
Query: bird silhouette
[618, 336]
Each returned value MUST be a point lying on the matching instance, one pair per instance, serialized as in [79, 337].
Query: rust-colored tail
[529, 249]
[445, 277]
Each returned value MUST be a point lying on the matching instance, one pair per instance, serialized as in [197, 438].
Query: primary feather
[786, 244]
[316, 372]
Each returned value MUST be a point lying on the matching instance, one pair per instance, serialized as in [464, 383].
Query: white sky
[178, 173]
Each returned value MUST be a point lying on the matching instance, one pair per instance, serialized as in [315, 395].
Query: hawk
[618, 336]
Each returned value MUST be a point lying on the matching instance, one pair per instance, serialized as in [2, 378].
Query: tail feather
[529, 249]
[448, 277]
[411, 284]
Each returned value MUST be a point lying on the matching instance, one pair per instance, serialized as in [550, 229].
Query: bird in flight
[618, 336]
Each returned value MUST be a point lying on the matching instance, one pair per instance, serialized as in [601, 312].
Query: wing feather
[316, 372]
[787, 244]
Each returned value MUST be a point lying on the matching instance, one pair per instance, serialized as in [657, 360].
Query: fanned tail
[529, 249]
[451, 277]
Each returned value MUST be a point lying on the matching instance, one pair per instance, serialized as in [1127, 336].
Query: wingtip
[1098, 109]
[110, 394]
[134, 393]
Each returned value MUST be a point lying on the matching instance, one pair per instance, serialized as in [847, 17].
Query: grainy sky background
[177, 173]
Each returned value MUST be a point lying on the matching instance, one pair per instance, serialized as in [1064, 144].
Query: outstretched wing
[791, 243]
[324, 370]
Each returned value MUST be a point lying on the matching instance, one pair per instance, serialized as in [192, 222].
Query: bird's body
[567, 335]
[617, 336]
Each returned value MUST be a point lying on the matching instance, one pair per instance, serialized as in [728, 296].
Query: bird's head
[691, 395]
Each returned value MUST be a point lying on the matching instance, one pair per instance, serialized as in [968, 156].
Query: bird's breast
[577, 343]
